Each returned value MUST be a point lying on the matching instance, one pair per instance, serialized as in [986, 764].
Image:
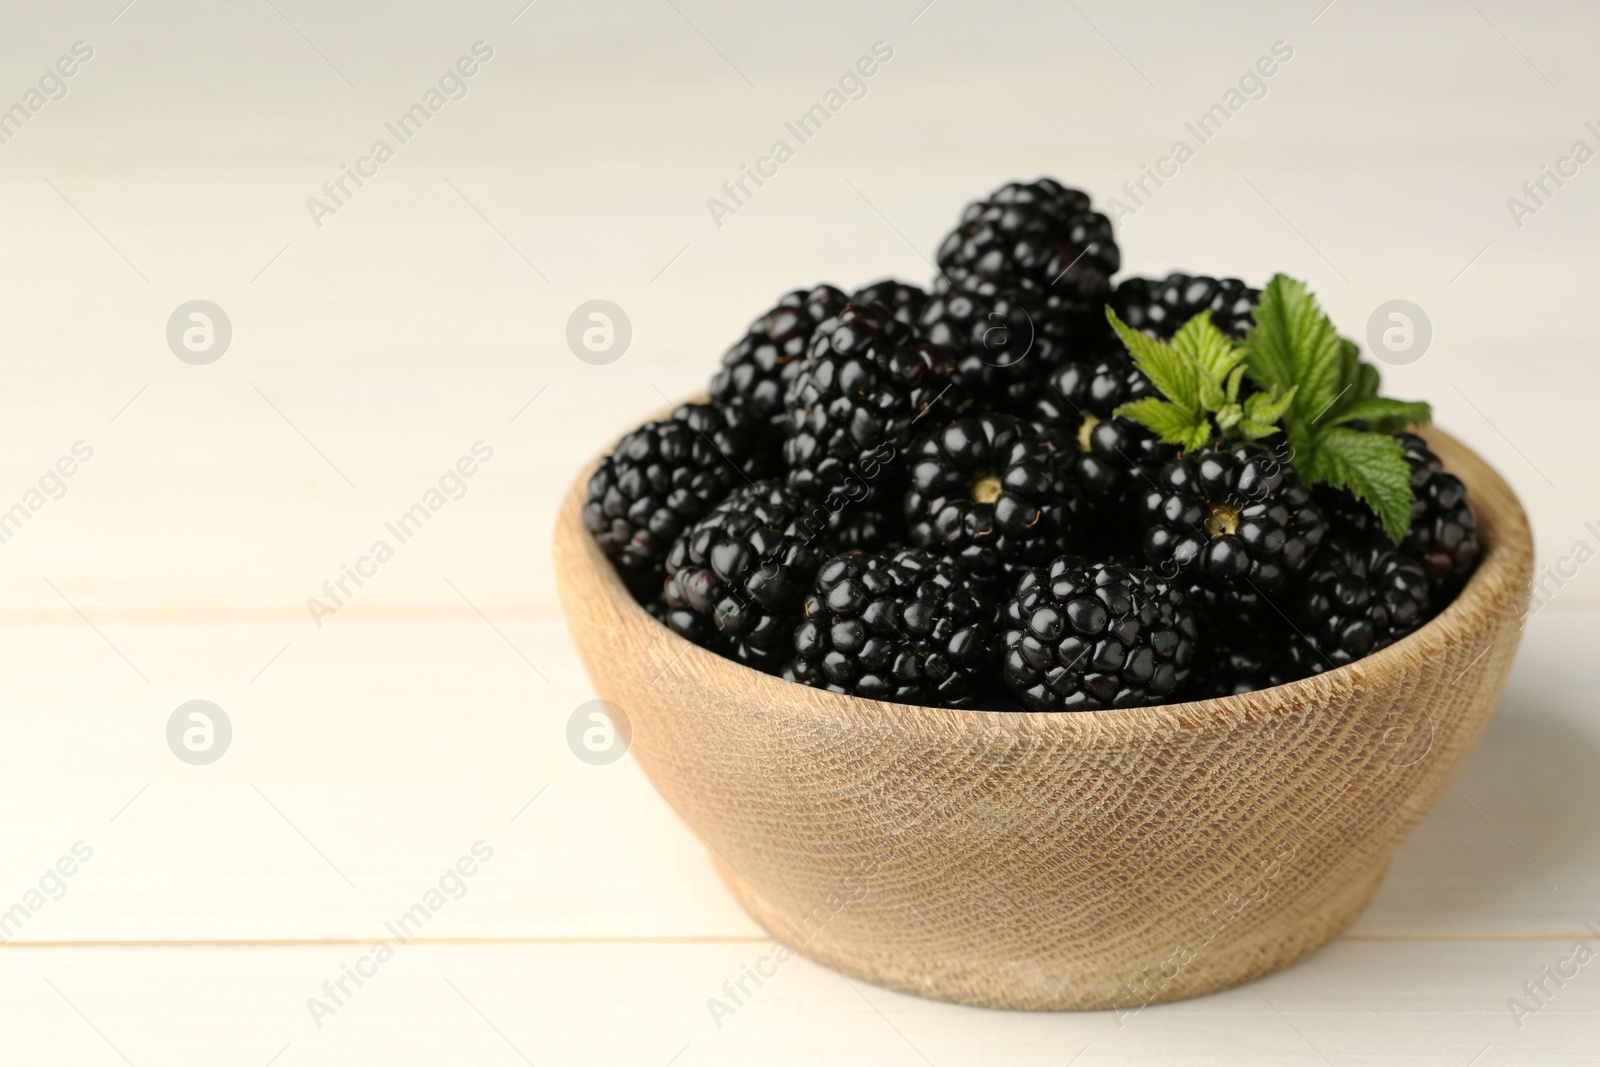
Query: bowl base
[1274, 950]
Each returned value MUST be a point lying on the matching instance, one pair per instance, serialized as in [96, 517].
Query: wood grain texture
[1059, 861]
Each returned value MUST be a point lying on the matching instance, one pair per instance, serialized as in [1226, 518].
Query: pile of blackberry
[927, 495]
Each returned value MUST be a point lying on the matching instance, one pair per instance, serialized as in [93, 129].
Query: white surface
[368, 355]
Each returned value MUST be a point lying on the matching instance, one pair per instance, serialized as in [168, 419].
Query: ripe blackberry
[1443, 535]
[757, 369]
[870, 526]
[858, 398]
[1007, 338]
[904, 626]
[1040, 231]
[1358, 595]
[1247, 641]
[988, 491]
[901, 298]
[659, 479]
[1444, 532]
[1259, 661]
[1080, 636]
[736, 578]
[1160, 305]
[1113, 457]
[1235, 519]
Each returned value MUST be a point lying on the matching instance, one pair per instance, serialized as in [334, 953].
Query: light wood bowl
[1059, 861]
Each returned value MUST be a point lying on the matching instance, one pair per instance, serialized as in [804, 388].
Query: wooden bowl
[1059, 861]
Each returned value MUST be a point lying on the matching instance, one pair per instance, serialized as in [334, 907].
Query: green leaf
[1367, 381]
[1255, 431]
[1166, 368]
[1387, 415]
[1201, 341]
[1269, 346]
[1321, 380]
[1294, 343]
[1302, 449]
[1235, 378]
[1270, 406]
[1373, 467]
[1212, 398]
[1166, 420]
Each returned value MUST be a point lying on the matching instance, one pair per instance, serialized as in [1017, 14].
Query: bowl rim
[1500, 582]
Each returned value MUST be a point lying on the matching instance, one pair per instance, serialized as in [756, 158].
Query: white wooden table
[428, 313]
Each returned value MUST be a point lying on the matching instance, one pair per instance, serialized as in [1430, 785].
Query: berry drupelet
[1040, 231]
[1159, 306]
[1235, 519]
[1359, 595]
[659, 479]
[904, 625]
[903, 300]
[863, 390]
[1081, 636]
[736, 578]
[989, 492]
[756, 371]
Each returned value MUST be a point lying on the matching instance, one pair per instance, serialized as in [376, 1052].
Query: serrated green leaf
[1235, 379]
[1166, 420]
[1386, 414]
[1373, 467]
[1350, 383]
[1255, 431]
[1199, 438]
[1368, 381]
[1302, 453]
[1173, 374]
[1212, 397]
[1269, 346]
[1294, 343]
[1201, 341]
[1270, 406]
[1321, 376]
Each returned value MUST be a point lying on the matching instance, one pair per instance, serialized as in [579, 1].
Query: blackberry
[871, 526]
[1006, 338]
[1245, 666]
[904, 626]
[1114, 458]
[1235, 519]
[1040, 231]
[736, 578]
[860, 395]
[659, 479]
[1249, 645]
[1443, 534]
[1081, 636]
[757, 369]
[988, 491]
[903, 300]
[1159, 306]
[1359, 595]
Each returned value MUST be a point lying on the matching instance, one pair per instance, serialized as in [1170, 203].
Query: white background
[429, 313]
